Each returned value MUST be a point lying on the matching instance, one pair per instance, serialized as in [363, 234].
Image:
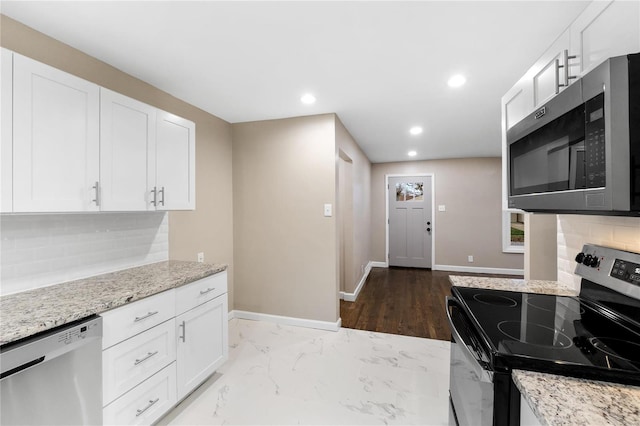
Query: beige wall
[470, 188]
[209, 227]
[360, 245]
[285, 250]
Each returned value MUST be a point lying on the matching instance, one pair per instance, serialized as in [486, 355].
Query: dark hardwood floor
[405, 301]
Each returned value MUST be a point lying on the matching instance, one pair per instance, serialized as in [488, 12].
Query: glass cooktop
[552, 333]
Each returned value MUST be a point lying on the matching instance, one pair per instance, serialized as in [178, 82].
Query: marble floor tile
[292, 375]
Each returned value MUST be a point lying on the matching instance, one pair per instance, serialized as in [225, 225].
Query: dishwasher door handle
[21, 367]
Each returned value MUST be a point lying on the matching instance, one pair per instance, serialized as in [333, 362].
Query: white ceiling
[381, 66]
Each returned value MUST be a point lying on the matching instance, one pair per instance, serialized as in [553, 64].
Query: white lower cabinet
[132, 361]
[202, 343]
[146, 403]
[152, 359]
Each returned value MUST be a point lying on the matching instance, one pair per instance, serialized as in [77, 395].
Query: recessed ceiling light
[456, 80]
[416, 130]
[308, 99]
[412, 153]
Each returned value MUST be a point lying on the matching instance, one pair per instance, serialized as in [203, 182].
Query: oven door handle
[481, 368]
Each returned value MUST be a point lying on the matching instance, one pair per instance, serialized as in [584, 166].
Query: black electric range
[595, 335]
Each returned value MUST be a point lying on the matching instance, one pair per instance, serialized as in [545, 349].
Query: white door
[55, 140]
[410, 221]
[202, 343]
[127, 143]
[175, 162]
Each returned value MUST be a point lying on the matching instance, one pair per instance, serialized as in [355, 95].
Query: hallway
[405, 301]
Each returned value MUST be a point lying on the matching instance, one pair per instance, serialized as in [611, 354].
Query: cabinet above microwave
[580, 152]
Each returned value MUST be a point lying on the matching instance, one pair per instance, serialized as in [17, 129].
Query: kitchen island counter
[514, 284]
[27, 313]
[559, 400]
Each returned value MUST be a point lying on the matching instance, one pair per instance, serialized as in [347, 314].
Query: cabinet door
[548, 79]
[202, 343]
[55, 140]
[127, 143]
[6, 131]
[605, 29]
[175, 162]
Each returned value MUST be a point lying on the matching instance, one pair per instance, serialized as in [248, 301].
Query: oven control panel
[626, 271]
[615, 269]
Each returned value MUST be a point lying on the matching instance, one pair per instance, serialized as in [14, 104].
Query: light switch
[442, 208]
[327, 210]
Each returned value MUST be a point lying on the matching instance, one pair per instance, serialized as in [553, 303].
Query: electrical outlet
[470, 258]
[201, 257]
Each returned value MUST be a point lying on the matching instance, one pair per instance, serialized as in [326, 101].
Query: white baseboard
[351, 297]
[379, 264]
[278, 319]
[478, 270]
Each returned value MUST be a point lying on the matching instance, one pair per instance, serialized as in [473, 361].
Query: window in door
[409, 191]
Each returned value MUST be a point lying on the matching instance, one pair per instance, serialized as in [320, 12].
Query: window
[513, 235]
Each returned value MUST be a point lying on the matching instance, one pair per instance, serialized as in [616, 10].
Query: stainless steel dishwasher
[54, 378]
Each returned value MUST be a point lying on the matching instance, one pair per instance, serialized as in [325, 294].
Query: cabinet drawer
[191, 295]
[145, 403]
[121, 323]
[134, 360]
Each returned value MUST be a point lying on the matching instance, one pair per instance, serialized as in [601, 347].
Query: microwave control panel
[594, 142]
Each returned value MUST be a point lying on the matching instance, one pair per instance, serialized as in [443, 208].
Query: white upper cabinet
[55, 140]
[550, 74]
[6, 131]
[175, 163]
[603, 30]
[69, 145]
[127, 146]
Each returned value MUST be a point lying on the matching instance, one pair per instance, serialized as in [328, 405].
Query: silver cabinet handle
[150, 314]
[162, 199]
[146, 357]
[154, 191]
[97, 188]
[184, 331]
[151, 403]
[565, 67]
[209, 290]
[558, 85]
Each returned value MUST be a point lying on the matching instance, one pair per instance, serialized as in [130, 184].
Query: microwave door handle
[482, 373]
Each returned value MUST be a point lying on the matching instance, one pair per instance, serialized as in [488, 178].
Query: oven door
[471, 387]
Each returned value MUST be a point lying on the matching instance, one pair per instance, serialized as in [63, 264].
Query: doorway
[410, 223]
[345, 221]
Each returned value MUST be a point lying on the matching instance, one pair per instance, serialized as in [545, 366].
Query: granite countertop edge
[560, 400]
[31, 312]
[514, 284]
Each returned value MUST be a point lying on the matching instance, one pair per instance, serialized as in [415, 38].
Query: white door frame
[433, 214]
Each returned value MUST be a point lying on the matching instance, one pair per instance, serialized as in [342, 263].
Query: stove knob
[579, 257]
[594, 262]
[587, 260]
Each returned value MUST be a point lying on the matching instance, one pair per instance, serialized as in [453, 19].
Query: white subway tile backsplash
[41, 250]
[576, 230]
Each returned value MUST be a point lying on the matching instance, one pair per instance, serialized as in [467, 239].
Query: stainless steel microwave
[580, 152]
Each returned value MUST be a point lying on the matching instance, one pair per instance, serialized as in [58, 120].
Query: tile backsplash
[575, 230]
[40, 250]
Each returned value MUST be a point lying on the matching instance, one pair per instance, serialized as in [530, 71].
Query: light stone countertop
[559, 400]
[27, 313]
[514, 284]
